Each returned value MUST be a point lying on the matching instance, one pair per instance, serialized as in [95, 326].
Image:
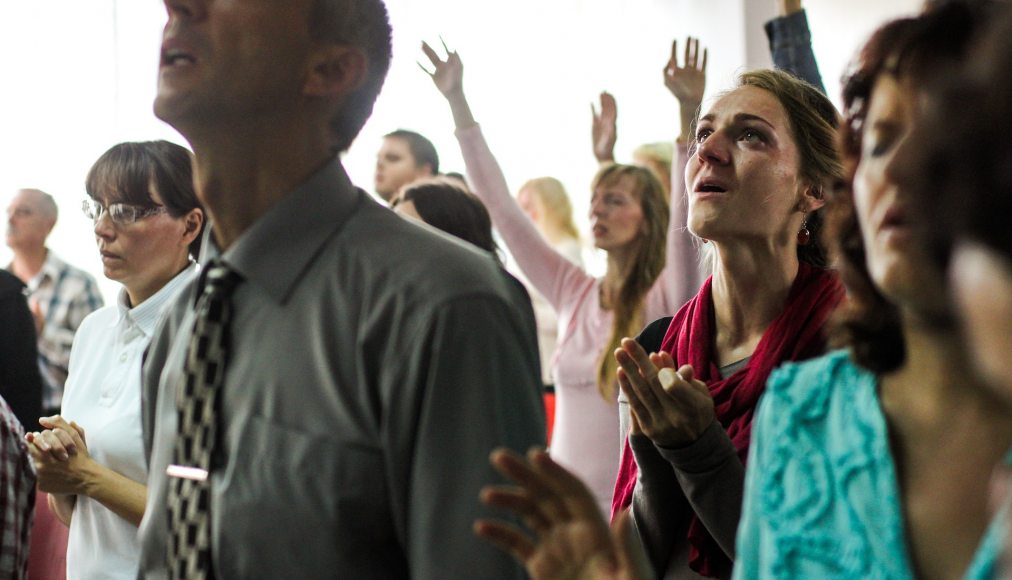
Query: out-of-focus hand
[448, 74]
[37, 315]
[788, 7]
[572, 540]
[672, 408]
[604, 128]
[687, 82]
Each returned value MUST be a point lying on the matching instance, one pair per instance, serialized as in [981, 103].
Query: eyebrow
[740, 117]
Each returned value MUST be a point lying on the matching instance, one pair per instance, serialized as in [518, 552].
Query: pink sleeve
[681, 278]
[555, 277]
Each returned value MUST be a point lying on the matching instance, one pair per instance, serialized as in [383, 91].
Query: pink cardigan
[586, 437]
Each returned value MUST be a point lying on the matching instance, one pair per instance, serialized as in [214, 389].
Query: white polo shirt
[103, 395]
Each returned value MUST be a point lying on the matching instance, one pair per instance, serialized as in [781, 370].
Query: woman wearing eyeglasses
[148, 225]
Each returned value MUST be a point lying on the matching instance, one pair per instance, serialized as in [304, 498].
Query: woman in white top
[148, 223]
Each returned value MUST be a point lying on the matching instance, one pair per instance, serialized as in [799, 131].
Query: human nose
[713, 150]
[103, 225]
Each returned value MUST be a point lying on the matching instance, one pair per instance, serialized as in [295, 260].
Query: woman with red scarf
[764, 153]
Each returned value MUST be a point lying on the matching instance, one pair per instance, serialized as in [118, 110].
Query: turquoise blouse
[821, 492]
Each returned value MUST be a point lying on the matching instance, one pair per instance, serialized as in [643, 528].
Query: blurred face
[231, 60]
[28, 223]
[146, 254]
[616, 216]
[894, 257]
[531, 204]
[981, 281]
[744, 180]
[396, 167]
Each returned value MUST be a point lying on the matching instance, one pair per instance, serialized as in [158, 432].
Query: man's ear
[335, 71]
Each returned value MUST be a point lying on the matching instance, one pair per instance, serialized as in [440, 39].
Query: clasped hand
[671, 408]
[60, 455]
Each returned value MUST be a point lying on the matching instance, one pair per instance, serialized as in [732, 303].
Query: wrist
[91, 477]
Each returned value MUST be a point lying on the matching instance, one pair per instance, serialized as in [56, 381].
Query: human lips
[109, 256]
[708, 187]
[176, 54]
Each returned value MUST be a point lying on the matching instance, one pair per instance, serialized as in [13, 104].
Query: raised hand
[671, 408]
[604, 129]
[572, 539]
[447, 75]
[688, 82]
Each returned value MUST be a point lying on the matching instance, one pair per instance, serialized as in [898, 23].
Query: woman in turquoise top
[874, 461]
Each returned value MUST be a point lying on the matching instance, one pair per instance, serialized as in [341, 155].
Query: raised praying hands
[604, 128]
[572, 540]
[670, 407]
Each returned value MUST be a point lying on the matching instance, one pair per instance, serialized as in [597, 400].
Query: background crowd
[793, 364]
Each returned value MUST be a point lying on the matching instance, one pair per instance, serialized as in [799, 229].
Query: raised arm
[791, 43]
[681, 277]
[555, 277]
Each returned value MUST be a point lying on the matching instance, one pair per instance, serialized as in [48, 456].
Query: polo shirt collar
[146, 314]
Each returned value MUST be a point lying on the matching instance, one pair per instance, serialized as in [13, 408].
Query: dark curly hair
[923, 50]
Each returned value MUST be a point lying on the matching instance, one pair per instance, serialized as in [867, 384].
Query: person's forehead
[749, 100]
[396, 143]
[26, 198]
[891, 98]
[622, 184]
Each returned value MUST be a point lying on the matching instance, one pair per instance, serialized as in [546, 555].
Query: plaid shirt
[17, 496]
[66, 295]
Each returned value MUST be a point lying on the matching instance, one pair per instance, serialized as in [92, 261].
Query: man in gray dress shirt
[373, 364]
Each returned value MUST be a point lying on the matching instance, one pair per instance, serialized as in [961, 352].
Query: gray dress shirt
[374, 364]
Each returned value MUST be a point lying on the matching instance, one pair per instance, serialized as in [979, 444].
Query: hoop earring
[804, 236]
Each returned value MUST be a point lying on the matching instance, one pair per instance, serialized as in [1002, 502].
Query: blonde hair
[661, 153]
[647, 263]
[555, 200]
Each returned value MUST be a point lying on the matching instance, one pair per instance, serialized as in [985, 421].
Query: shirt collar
[146, 314]
[51, 269]
[280, 245]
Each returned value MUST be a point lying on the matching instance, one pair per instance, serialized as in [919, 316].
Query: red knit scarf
[796, 334]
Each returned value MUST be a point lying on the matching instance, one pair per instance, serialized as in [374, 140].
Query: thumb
[687, 372]
[634, 424]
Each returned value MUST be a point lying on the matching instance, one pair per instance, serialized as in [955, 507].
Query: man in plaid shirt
[60, 295]
[17, 496]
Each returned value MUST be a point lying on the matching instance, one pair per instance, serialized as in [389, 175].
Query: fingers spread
[517, 501]
[506, 537]
[433, 57]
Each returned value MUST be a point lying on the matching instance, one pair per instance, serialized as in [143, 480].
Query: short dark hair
[447, 206]
[126, 172]
[365, 25]
[422, 149]
[922, 49]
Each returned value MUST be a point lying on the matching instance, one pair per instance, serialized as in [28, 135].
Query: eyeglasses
[121, 214]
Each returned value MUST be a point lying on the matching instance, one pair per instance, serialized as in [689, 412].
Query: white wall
[80, 77]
